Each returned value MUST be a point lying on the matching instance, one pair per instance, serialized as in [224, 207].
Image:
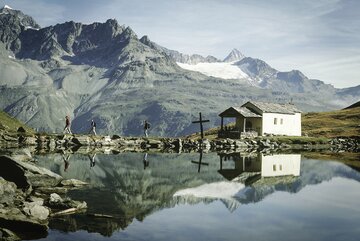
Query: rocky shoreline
[29, 195]
[51, 142]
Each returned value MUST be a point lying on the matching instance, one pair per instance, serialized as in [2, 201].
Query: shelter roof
[274, 107]
[237, 111]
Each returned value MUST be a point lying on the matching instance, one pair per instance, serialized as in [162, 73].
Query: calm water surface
[220, 197]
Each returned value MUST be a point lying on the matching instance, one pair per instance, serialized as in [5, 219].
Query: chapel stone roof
[274, 107]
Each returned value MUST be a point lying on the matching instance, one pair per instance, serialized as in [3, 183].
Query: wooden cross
[201, 121]
[200, 161]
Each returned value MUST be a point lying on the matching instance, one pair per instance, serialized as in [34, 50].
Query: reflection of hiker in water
[93, 128]
[92, 160]
[66, 161]
[146, 162]
[67, 125]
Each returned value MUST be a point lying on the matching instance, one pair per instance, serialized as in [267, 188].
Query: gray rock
[12, 171]
[49, 190]
[7, 191]
[56, 202]
[22, 154]
[37, 176]
[81, 140]
[14, 220]
[55, 199]
[240, 144]
[8, 235]
[36, 210]
[21, 129]
[73, 183]
[29, 141]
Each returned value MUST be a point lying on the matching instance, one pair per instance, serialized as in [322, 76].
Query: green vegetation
[340, 123]
[11, 124]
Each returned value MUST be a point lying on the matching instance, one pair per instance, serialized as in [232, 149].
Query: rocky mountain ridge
[180, 57]
[234, 55]
[102, 71]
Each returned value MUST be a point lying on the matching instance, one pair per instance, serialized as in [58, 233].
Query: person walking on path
[93, 127]
[146, 127]
[67, 125]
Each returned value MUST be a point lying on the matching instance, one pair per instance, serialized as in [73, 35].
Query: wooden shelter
[261, 118]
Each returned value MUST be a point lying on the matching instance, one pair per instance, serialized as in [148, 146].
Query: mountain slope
[340, 123]
[102, 71]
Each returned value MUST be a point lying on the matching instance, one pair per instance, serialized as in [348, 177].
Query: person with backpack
[146, 127]
[93, 127]
[67, 125]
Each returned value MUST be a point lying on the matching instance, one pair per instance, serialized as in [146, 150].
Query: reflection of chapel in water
[250, 167]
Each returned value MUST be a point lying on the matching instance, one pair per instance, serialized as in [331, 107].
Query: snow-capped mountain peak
[234, 55]
[7, 7]
[219, 70]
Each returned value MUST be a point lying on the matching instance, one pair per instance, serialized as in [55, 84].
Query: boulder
[12, 171]
[151, 143]
[52, 143]
[29, 141]
[21, 129]
[9, 138]
[107, 141]
[25, 174]
[55, 198]
[73, 183]
[24, 226]
[81, 140]
[240, 144]
[7, 191]
[23, 154]
[36, 210]
[39, 176]
[56, 202]
[7, 235]
[3, 127]
[49, 190]
[178, 144]
[115, 137]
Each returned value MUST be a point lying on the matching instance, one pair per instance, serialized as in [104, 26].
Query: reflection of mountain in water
[121, 187]
[263, 175]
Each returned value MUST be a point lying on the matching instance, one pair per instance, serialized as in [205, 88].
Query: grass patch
[11, 124]
[340, 123]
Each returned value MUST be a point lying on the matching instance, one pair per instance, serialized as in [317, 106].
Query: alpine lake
[210, 196]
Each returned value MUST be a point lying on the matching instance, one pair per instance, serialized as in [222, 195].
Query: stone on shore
[73, 183]
[36, 210]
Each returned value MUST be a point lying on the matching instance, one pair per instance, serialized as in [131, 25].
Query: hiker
[146, 128]
[67, 125]
[145, 161]
[93, 127]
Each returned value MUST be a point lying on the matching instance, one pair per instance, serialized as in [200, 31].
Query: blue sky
[321, 38]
